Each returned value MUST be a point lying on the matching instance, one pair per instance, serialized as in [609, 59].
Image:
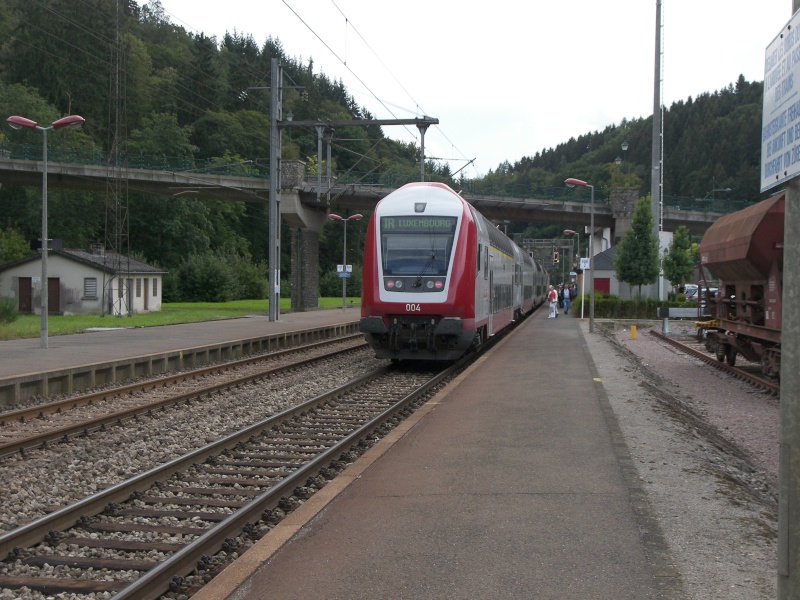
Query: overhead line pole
[657, 158]
[274, 199]
[277, 124]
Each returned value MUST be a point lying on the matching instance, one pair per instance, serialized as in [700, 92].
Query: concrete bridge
[305, 204]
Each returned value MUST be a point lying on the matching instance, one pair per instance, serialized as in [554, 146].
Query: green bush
[213, 278]
[251, 279]
[205, 278]
[613, 307]
[8, 310]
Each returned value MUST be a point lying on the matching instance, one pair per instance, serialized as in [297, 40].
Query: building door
[25, 295]
[53, 295]
[602, 285]
[146, 294]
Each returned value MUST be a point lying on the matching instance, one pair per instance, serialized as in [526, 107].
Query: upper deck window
[417, 245]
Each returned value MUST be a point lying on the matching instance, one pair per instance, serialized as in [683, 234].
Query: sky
[505, 78]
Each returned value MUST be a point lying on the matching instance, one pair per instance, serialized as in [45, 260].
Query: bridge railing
[713, 205]
[151, 162]
[388, 180]
[473, 188]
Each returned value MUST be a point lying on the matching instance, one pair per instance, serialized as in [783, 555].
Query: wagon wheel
[719, 350]
[731, 354]
[765, 368]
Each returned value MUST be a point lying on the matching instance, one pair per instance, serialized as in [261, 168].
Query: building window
[138, 287]
[90, 288]
[155, 286]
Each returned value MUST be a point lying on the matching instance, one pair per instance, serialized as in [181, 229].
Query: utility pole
[423, 127]
[657, 158]
[274, 187]
[789, 471]
[324, 129]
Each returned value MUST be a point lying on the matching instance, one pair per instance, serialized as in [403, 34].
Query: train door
[484, 288]
[492, 298]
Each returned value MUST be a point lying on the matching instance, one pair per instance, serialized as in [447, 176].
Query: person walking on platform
[567, 298]
[552, 299]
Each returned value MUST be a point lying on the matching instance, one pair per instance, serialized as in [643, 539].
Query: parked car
[690, 291]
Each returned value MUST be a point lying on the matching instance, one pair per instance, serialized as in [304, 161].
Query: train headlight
[439, 285]
[429, 285]
[389, 284]
[398, 284]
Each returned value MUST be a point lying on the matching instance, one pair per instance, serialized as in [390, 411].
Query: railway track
[144, 537]
[743, 374]
[61, 420]
[170, 527]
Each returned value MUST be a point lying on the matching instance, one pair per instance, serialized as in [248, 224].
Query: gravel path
[706, 449]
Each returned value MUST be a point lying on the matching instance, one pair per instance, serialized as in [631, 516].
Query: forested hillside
[178, 94]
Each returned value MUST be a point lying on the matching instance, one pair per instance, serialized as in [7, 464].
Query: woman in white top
[552, 299]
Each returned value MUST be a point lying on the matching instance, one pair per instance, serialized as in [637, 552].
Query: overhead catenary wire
[382, 102]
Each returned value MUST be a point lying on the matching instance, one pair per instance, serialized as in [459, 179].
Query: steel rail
[64, 518]
[765, 384]
[118, 417]
[158, 580]
[41, 410]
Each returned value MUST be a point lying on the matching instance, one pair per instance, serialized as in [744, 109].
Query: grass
[28, 326]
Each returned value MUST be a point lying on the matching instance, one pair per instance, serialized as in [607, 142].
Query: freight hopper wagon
[744, 251]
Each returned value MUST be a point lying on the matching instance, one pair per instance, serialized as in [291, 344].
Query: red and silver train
[744, 251]
[438, 278]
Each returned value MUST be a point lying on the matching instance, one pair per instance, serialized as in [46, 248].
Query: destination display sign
[418, 224]
[780, 121]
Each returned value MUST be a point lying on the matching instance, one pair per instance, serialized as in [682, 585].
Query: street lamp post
[344, 273]
[583, 272]
[19, 123]
[572, 182]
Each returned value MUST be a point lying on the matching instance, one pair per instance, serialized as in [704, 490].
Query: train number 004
[413, 308]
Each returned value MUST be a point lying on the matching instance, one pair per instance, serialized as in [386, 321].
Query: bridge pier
[305, 269]
[305, 223]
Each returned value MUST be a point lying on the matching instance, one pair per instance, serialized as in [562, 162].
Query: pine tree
[636, 259]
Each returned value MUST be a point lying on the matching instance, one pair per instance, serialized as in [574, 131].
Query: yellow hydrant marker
[633, 332]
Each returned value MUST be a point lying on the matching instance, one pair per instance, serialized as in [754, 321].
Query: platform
[513, 482]
[75, 362]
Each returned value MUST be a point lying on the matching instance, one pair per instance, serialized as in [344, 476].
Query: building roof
[604, 261]
[105, 261]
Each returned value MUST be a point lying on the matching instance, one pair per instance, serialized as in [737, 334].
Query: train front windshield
[417, 246]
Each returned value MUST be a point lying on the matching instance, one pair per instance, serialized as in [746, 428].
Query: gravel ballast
[706, 450]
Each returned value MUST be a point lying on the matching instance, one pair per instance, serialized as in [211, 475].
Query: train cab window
[417, 245]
